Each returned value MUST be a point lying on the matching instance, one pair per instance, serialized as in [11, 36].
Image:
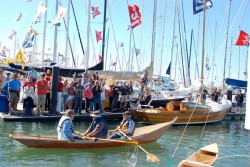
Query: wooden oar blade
[153, 158]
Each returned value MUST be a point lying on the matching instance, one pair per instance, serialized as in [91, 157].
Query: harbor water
[233, 141]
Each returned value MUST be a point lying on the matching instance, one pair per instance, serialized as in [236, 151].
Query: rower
[127, 126]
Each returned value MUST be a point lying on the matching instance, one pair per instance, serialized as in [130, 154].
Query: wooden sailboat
[205, 157]
[187, 112]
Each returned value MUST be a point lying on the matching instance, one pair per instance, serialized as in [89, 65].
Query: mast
[67, 31]
[55, 39]
[225, 57]
[213, 65]
[203, 45]
[229, 70]
[239, 65]
[153, 37]
[88, 33]
[44, 32]
[173, 35]
[104, 28]
[163, 33]
[107, 50]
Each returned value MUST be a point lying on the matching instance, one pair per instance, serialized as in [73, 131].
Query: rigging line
[79, 35]
[91, 36]
[236, 15]
[244, 12]
[112, 27]
[229, 30]
[72, 54]
[237, 155]
[184, 130]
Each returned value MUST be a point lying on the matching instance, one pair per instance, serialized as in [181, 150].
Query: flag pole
[247, 119]
[203, 45]
[44, 32]
[104, 28]
[55, 38]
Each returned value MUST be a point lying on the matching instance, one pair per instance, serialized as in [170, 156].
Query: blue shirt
[33, 74]
[14, 85]
[67, 128]
[5, 87]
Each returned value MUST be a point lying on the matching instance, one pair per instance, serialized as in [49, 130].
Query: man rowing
[65, 127]
[98, 128]
[127, 126]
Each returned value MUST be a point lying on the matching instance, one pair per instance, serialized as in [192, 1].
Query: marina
[125, 83]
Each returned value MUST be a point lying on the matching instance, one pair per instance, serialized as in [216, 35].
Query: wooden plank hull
[205, 157]
[142, 135]
[163, 115]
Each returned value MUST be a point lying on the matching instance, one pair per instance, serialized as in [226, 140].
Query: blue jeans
[88, 104]
[65, 99]
[78, 105]
[99, 102]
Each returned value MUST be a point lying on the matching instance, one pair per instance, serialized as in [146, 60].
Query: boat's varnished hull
[155, 116]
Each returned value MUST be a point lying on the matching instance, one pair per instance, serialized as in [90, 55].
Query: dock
[53, 118]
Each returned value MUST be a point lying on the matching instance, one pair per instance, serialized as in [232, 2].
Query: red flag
[100, 58]
[98, 35]
[3, 51]
[95, 11]
[135, 16]
[19, 17]
[243, 39]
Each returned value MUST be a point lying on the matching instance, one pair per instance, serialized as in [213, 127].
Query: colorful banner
[135, 16]
[198, 5]
[60, 14]
[39, 13]
[98, 36]
[243, 39]
[95, 11]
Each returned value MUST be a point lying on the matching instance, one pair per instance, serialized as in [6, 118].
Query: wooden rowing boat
[143, 135]
[185, 111]
[205, 157]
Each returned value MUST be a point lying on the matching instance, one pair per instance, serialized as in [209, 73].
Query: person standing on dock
[96, 89]
[116, 93]
[88, 94]
[33, 73]
[79, 88]
[239, 100]
[42, 87]
[14, 92]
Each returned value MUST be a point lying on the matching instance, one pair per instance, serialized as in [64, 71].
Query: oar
[132, 142]
[152, 156]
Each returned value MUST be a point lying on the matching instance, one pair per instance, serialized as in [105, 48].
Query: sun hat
[96, 114]
[126, 113]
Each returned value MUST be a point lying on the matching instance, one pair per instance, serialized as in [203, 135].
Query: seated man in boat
[98, 128]
[127, 126]
[65, 127]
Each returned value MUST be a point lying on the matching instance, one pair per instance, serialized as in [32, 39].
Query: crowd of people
[35, 91]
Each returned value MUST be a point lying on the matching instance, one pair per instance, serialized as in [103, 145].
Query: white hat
[96, 114]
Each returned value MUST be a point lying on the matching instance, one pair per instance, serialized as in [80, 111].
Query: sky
[117, 24]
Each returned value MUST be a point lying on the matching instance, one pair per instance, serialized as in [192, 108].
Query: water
[232, 138]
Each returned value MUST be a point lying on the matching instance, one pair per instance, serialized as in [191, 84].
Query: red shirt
[60, 86]
[32, 84]
[88, 93]
[42, 87]
[48, 76]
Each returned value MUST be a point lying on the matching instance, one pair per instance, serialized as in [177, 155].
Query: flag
[4, 51]
[121, 44]
[137, 51]
[95, 11]
[60, 14]
[19, 17]
[169, 69]
[198, 5]
[207, 63]
[135, 16]
[29, 38]
[39, 13]
[12, 34]
[113, 64]
[98, 36]
[20, 58]
[100, 58]
[243, 39]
